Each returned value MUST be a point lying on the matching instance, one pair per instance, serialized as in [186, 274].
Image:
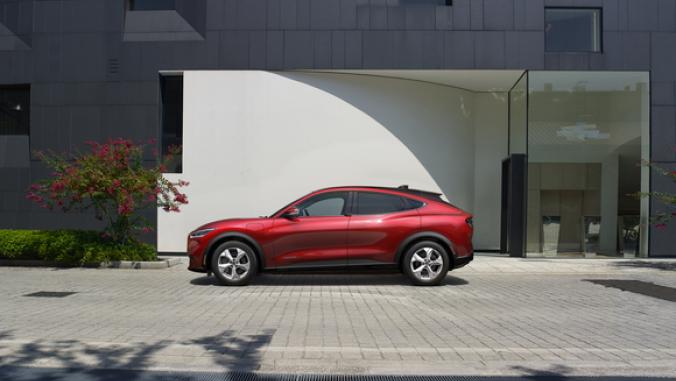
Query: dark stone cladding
[87, 83]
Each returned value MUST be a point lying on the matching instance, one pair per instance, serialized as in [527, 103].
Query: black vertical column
[517, 198]
[504, 208]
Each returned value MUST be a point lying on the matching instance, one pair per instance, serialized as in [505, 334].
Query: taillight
[470, 222]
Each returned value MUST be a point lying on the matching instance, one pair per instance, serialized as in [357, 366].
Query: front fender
[260, 255]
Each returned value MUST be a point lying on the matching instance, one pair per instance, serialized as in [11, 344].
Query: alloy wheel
[234, 263]
[426, 263]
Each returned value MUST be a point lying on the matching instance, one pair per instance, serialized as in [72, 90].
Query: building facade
[272, 99]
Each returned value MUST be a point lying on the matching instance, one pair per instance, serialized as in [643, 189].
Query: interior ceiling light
[581, 132]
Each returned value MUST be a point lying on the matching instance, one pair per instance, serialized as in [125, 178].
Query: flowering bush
[112, 181]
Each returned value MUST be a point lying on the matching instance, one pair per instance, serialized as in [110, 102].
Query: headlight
[200, 233]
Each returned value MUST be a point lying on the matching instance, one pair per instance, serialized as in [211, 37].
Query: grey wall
[87, 83]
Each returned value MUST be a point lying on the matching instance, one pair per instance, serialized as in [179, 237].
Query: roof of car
[402, 189]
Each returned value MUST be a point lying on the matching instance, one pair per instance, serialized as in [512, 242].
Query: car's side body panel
[349, 239]
[374, 239]
[308, 241]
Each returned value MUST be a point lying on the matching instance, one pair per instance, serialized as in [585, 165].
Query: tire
[426, 263]
[244, 259]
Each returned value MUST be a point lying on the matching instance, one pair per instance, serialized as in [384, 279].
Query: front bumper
[196, 250]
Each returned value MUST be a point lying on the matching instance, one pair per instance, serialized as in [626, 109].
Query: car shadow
[331, 278]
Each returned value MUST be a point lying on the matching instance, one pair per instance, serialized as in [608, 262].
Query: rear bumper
[463, 261]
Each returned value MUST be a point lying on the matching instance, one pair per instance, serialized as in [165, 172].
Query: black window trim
[575, 7]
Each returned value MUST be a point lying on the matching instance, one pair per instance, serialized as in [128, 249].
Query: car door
[379, 224]
[317, 237]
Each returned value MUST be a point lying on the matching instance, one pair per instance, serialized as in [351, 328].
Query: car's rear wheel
[234, 263]
[426, 263]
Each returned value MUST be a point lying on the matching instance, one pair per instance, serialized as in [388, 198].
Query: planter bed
[161, 263]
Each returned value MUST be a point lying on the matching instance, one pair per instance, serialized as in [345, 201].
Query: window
[379, 203]
[414, 204]
[15, 101]
[172, 118]
[324, 205]
[573, 29]
[152, 5]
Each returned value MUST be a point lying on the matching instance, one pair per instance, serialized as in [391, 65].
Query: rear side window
[379, 203]
[414, 204]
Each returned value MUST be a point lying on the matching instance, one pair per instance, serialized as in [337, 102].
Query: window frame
[354, 210]
[599, 9]
[164, 80]
[347, 206]
[20, 86]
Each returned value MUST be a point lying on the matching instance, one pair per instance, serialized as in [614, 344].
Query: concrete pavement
[498, 316]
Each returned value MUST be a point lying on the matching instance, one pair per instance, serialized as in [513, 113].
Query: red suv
[414, 230]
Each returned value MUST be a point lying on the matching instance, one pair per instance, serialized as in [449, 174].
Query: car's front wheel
[426, 263]
[234, 263]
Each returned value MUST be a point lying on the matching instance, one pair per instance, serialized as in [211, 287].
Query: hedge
[73, 247]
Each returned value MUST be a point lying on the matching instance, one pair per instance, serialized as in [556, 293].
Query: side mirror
[291, 213]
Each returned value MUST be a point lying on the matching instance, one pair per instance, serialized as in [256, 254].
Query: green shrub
[73, 247]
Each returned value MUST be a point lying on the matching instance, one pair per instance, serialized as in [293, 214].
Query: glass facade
[587, 133]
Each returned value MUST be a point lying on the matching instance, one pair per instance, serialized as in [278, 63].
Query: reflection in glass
[592, 231]
[630, 235]
[551, 226]
[587, 133]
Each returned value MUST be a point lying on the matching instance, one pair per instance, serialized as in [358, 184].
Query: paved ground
[498, 316]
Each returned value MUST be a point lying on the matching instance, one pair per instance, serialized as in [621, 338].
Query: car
[416, 231]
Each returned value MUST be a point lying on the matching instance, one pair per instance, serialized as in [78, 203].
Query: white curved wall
[254, 141]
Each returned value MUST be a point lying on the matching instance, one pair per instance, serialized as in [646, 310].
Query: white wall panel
[255, 140]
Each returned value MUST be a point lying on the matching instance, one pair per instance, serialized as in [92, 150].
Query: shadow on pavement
[120, 374]
[236, 352]
[646, 264]
[76, 360]
[365, 278]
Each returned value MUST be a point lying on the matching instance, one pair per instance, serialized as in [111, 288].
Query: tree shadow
[647, 264]
[332, 278]
[74, 358]
[236, 353]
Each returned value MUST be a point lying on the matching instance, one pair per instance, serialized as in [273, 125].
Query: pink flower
[661, 226]
[57, 186]
[181, 198]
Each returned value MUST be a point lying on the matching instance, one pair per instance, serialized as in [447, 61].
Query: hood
[232, 222]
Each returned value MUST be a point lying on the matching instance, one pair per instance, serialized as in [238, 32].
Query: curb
[162, 263]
